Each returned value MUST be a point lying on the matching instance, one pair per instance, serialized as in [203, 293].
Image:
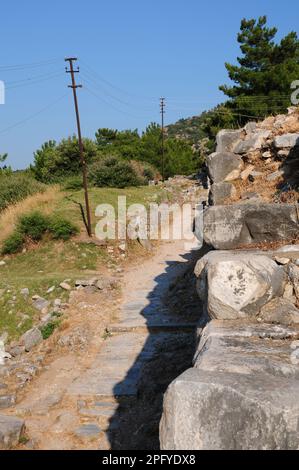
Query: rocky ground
[122, 337]
[258, 162]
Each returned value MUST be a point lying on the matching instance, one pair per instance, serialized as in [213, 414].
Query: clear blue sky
[131, 52]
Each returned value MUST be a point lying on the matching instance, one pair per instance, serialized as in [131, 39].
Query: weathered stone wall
[242, 391]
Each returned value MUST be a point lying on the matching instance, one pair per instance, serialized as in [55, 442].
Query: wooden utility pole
[162, 106]
[74, 86]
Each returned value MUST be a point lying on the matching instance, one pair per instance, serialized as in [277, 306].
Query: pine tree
[265, 72]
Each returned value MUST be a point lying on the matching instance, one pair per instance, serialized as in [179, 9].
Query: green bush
[48, 329]
[54, 162]
[145, 171]
[73, 183]
[17, 186]
[13, 244]
[115, 173]
[33, 225]
[62, 229]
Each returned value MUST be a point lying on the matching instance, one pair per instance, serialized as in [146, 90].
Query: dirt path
[109, 395]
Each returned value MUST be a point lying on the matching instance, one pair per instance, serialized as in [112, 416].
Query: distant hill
[188, 129]
[198, 129]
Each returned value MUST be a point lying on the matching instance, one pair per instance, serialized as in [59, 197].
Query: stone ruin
[243, 389]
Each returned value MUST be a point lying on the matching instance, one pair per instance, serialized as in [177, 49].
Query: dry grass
[266, 190]
[42, 201]
[268, 246]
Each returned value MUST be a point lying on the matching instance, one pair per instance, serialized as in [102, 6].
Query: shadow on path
[166, 353]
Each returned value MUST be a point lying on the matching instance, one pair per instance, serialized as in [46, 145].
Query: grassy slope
[48, 263]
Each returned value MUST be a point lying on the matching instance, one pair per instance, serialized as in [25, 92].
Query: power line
[34, 82]
[107, 82]
[89, 79]
[110, 105]
[34, 77]
[23, 121]
[18, 67]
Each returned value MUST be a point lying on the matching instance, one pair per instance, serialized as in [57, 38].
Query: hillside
[189, 128]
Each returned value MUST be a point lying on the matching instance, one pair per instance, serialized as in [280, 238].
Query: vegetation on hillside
[17, 186]
[111, 155]
[32, 227]
[47, 262]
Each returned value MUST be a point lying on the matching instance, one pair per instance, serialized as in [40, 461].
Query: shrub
[73, 183]
[145, 171]
[33, 225]
[17, 186]
[54, 162]
[13, 244]
[113, 172]
[48, 329]
[62, 229]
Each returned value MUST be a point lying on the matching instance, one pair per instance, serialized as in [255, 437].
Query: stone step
[152, 327]
[103, 412]
[117, 368]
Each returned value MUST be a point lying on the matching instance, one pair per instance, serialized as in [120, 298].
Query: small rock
[295, 357]
[281, 311]
[283, 153]
[11, 429]
[246, 172]
[266, 155]
[256, 174]
[65, 286]
[57, 303]
[86, 282]
[65, 422]
[88, 431]
[7, 400]
[286, 141]
[31, 338]
[2, 263]
[3, 354]
[295, 344]
[41, 304]
[122, 247]
[282, 261]
[25, 291]
[275, 175]
[46, 319]
[293, 272]
[101, 285]
[50, 290]
[289, 292]
[4, 337]
[17, 351]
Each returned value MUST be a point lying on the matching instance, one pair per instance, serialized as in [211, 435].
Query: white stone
[286, 141]
[234, 285]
